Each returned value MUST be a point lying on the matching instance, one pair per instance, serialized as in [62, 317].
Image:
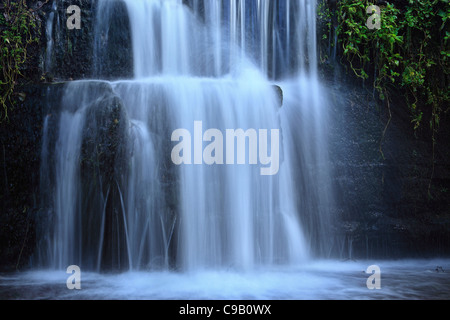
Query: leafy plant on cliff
[365, 48]
[17, 23]
[409, 52]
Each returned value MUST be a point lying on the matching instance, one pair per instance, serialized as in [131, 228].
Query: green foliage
[409, 53]
[409, 50]
[363, 47]
[17, 23]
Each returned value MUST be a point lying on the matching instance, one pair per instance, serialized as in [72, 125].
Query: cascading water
[49, 36]
[118, 200]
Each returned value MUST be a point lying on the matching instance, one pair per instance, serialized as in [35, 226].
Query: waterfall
[49, 37]
[119, 202]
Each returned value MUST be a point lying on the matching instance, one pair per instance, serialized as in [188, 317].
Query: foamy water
[321, 280]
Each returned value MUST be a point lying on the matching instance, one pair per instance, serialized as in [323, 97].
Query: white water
[319, 280]
[187, 70]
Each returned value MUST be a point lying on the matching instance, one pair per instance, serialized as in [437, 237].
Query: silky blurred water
[153, 213]
[319, 280]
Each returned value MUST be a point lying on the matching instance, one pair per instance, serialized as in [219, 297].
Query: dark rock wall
[96, 50]
[389, 202]
[72, 52]
[392, 186]
[20, 149]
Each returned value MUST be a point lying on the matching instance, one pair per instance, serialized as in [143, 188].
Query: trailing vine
[408, 54]
[364, 48]
[409, 50]
[17, 25]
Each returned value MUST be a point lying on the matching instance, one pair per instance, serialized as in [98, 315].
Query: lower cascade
[194, 163]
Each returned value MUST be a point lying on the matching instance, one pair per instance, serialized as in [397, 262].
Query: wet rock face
[112, 55]
[71, 54]
[104, 135]
[20, 148]
[94, 50]
[103, 167]
[383, 205]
